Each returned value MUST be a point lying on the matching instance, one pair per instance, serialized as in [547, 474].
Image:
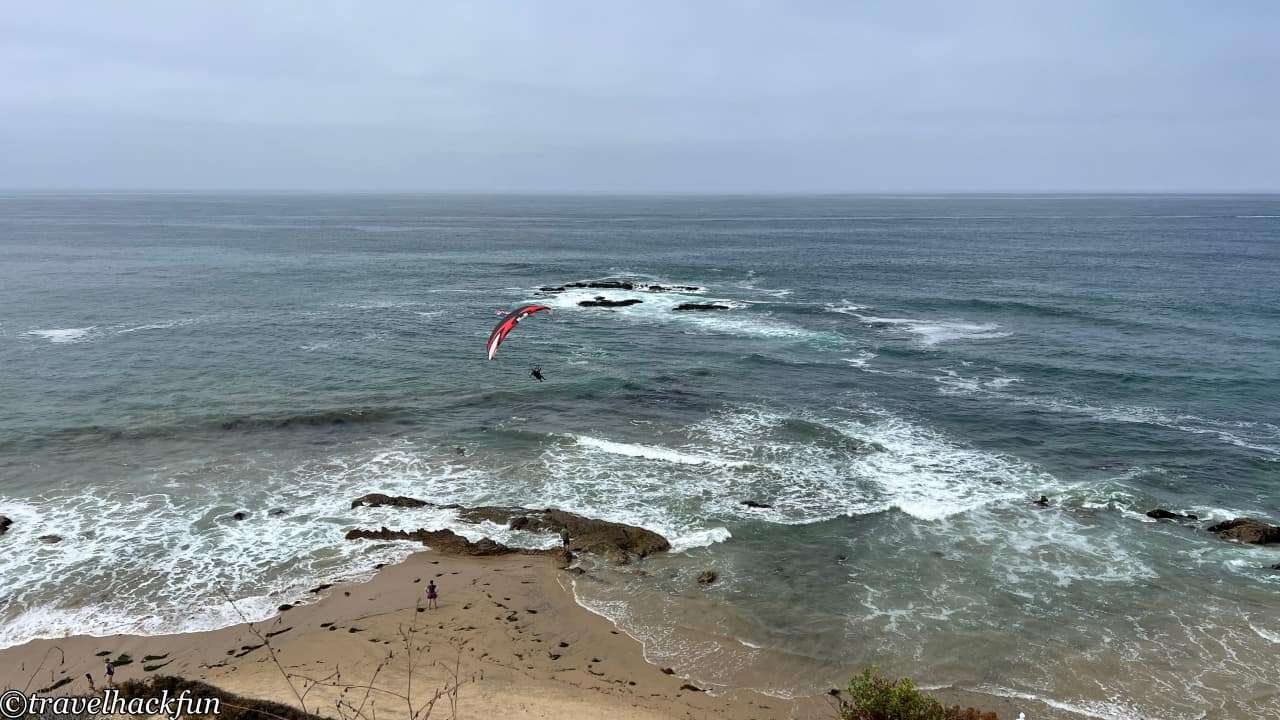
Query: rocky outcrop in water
[444, 541]
[50, 539]
[5, 522]
[379, 500]
[603, 285]
[756, 504]
[602, 301]
[701, 306]
[1162, 514]
[706, 577]
[618, 542]
[618, 285]
[1247, 530]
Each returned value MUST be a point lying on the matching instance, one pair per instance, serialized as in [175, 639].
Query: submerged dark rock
[1043, 501]
[606, 302]
[239, 515]
[276, 512]
[1247, 530]
[378, 500]
[756, 504]
[706, 577]
[50, 539]
[1276, 566]
[1162, 514]
[4, 524]
[701, 306]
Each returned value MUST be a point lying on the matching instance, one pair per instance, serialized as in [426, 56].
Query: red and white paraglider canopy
[508, 323]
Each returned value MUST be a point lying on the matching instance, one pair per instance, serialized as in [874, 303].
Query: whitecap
[651, 452]
[157, 326]
[934, 332]
[65, 335]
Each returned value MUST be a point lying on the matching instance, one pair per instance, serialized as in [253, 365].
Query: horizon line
[633, 193]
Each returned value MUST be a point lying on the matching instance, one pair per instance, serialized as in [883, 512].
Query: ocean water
[897, 376]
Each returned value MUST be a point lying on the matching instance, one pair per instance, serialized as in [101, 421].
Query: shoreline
[508, 626]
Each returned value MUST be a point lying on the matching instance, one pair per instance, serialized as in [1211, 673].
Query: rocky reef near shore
[617, 542]
[1247, 530]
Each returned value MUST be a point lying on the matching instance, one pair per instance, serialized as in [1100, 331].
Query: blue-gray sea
[898, 377]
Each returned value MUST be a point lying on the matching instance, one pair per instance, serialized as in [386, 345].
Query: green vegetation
[875, 697]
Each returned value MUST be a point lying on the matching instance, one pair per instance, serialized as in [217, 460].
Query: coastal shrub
[874, 697]
[233, 707]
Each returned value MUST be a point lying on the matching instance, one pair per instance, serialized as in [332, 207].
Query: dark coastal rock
[706, 577]
[606, 302]
[4, 524]
[551, 289]
[444, 541]
[701, 306]
[379, 500]
[671, 288]
[603, 285]
[691, 687]
[1162, 514]
[756, 504]
[617, 541]
[239, 515]
[285, 607]
[50, 539]
[1276, 566]
[276, 512]
[1043, 501]
[1247, 530]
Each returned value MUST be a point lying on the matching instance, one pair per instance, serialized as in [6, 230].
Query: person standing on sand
[111, 673]
[431, 595]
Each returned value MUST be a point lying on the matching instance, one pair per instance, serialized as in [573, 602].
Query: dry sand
[508, 627]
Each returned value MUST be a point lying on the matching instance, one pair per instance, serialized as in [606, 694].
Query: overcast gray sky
[650, 96]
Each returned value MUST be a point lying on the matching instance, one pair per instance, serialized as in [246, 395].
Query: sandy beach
[507, 633]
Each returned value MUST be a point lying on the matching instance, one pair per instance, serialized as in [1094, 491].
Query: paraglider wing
[508, 323]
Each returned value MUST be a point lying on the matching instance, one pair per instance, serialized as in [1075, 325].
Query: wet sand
[507, 628]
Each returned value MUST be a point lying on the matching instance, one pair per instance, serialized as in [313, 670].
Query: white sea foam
[650, 452]
[1261, 436]
[1271, 636]
[845, 308]
[157, 326]
[162, 556]
[861, 360]
[934, 332]
[1102, 710]
[659, 307]
[807, 468]
[953, 383]
[65, 335]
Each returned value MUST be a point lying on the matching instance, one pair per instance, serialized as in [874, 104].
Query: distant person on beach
[536, 373]
[111, 673]
[431, 595]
